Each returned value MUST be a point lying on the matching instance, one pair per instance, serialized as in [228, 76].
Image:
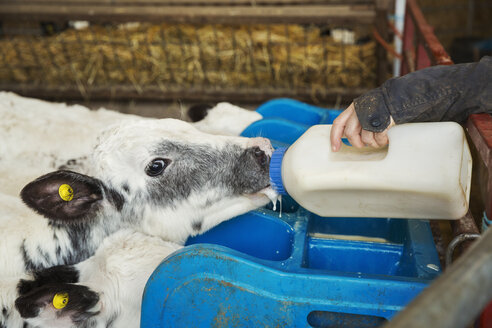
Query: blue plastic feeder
[261, 269]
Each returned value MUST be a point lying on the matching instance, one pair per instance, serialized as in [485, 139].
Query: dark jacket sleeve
[438, 93]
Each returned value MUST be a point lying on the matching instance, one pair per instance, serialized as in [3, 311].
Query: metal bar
[407, 47]
[417, 47]
[389, 48]
[457, 297]
[464, 226]
[409, 61]
[455, 243]
[437, 54]
[191, 14]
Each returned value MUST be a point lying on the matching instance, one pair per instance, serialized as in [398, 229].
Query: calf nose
[260, 156]
[262, 143]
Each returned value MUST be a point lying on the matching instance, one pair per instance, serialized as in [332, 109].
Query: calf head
[57, 305]
[162, 177]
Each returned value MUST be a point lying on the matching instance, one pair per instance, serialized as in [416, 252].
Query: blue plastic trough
[295, 270]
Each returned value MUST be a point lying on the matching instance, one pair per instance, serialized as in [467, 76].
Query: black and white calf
[103, 291]
[160, 177]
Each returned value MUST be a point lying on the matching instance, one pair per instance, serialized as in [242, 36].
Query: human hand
[347, 125]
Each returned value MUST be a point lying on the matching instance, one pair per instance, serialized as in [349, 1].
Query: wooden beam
[191, 14]
[125, 93]
[253, 3]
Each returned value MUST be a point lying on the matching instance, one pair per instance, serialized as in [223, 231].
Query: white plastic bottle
[424, 173]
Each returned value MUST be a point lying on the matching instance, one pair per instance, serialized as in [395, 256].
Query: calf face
[58, 305]
[163, 177]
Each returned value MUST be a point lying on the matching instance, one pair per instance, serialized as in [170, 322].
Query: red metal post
[421, 49]
[479, 127]
[486, 317]
[423, 59]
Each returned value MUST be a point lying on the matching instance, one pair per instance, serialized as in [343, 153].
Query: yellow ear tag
[60, 300]
[66, 192]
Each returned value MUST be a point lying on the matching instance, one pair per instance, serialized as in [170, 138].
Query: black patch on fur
[126, 187]
[197, 226]
[198, 112]
[111, 321]
[233, 169]
[43, 255]
[57, 274]
[74, 164]
[81, 247]
[115, 198]
[42, 196]
[80, 300]
[4, 317]
[29, 264]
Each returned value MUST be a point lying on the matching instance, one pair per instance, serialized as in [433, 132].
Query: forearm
[439, 93]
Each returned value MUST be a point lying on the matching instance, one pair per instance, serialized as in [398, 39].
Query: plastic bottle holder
[297, 270]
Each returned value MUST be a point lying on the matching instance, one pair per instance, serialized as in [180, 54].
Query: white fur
[37, 137]
[227, 119]
[118, 272]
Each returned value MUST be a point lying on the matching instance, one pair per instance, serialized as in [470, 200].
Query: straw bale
[181, 55]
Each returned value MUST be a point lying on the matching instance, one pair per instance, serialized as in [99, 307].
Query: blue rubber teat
[276, 170]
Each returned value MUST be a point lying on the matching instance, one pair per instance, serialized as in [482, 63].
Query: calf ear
[199, 111]
[57, 274]
[55, 301]
[63, 195]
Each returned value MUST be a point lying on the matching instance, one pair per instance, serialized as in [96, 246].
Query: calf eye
[156, 167]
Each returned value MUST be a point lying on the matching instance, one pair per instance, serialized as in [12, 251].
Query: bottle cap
[276, 170]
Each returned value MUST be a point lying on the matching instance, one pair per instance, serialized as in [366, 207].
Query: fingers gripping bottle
[424, 173]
